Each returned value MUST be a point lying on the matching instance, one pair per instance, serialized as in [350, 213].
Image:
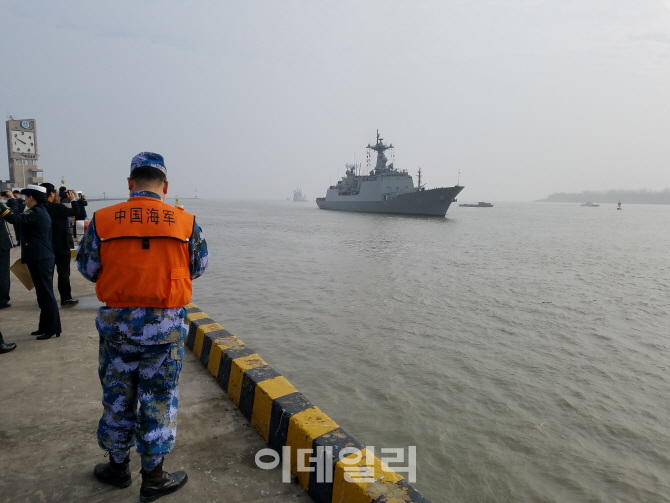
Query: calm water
[522, 348]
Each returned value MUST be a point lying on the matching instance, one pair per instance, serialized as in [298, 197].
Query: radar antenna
[379, 147]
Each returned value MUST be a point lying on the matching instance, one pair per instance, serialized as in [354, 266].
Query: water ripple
[523, 349]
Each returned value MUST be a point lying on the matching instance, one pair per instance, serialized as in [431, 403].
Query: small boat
[590, 205]
[618, 206]
[480, 204]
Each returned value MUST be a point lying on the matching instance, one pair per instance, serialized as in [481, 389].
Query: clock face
[23, 142]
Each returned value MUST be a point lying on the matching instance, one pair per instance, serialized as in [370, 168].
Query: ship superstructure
[299, 197]
[385, 190]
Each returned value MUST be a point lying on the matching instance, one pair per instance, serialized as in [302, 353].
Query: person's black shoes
[43, 335]
[69, 302]
[155, 484]
[158, 483]
[46, 336]
[116, 474]
[6, 348]
[5, 305]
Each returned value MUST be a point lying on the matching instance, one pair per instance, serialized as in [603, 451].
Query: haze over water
[522, 348]
[524, 97]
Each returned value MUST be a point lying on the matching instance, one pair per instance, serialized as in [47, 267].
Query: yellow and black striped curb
[285, 418]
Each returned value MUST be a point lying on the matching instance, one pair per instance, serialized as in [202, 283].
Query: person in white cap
[37, 253]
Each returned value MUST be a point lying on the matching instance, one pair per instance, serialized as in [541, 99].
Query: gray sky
[251, 99]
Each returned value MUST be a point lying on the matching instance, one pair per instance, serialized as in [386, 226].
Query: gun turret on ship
[386, 190]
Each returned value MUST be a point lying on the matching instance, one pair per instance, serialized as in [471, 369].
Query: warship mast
[379, 147]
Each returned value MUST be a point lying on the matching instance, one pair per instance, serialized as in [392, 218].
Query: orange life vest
[144, 254]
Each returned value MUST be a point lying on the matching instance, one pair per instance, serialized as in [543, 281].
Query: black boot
[113, 473]
[6, 348]
[157, 483]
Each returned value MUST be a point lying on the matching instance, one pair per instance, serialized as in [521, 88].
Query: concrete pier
[50, 406]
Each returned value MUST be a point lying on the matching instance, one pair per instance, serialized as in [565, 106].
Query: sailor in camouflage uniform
[144, 280]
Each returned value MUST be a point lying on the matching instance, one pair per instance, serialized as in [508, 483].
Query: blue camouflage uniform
[140, 358]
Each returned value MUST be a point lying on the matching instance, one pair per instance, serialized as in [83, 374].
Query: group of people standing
[143, 255]
[43, 232]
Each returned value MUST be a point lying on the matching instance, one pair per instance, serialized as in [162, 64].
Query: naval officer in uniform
[37, 254]
[5, 247]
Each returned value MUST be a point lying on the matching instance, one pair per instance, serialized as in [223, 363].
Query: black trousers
[4, 276]
[42, 274]
[63, 271]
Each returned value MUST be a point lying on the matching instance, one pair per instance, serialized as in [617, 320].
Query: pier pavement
[50, 406]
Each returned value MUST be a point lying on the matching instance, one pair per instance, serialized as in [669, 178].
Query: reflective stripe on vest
[144, 254]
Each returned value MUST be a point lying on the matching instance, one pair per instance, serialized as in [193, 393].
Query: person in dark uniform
[21, 205]
[61, 240]
[82, 202]
[37, 254]
[5, 247]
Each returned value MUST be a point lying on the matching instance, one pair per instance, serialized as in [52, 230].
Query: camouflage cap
[148, 159]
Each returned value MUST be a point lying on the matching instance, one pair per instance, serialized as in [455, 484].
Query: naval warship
[386, 190]
[299, 197]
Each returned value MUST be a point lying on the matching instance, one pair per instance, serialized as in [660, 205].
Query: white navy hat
[35, 191]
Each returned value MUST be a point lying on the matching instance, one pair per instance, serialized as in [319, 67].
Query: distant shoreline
[611, 196]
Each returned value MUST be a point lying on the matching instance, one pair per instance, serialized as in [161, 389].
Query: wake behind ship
[386, 190]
